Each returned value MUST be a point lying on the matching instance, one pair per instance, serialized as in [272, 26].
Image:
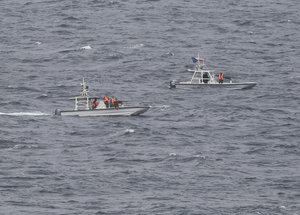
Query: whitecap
[42, 96]
[129, 131]
[137, 46]
[200, 156]
[21, 146]
[165, 106]
[38, 43]
[88, 47]
[172, 154]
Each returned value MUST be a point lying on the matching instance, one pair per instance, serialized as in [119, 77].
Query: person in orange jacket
[221, 78]
[106, 101]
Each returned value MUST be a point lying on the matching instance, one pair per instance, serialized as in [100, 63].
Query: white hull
[239, 86]
[122, 111]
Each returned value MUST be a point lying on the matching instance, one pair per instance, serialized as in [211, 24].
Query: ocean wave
[115, 56]
[66, 51]
[14, 103]
[43, 96]
[160, 107]
[22, 146]
[70, 18]
[136, 46]
[23, 88]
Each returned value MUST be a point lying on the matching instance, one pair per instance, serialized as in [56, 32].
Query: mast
[199, 68]
[85, 89]
[82, 101]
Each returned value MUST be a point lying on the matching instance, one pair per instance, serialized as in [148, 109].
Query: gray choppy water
[194, 152]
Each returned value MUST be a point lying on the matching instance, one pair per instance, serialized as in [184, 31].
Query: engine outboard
[57, 112]
[172, 84]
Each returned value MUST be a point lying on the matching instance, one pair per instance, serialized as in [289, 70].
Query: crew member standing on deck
[94, 103]
[106, 101]
[221, 78]
[114, 102]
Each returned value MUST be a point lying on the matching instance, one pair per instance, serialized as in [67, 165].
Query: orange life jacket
[221, 77]
[106, 99]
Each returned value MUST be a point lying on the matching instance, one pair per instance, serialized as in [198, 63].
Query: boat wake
[163, 107]
[35, 113]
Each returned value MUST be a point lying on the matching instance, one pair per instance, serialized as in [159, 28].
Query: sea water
[196, 151]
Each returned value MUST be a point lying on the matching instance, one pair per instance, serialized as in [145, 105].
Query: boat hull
[122, 111]
[242, 85]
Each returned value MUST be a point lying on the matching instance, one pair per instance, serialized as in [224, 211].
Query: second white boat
[206, 78]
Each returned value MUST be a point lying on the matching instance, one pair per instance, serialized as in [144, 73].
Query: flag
[198, 60]
[195, 60]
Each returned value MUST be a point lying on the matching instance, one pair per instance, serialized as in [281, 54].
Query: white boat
[207, 78]
[86, 105]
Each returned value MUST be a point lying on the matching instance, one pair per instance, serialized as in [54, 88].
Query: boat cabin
[201, 76]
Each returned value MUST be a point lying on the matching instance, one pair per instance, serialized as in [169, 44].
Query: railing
[200, 80]
[81, 103]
